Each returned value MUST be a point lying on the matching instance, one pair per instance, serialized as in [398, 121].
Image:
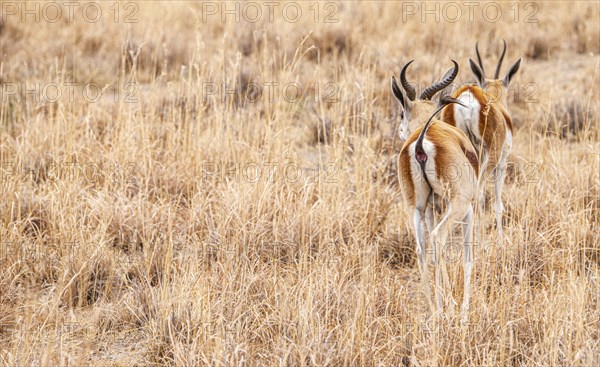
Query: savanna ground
[182, 190]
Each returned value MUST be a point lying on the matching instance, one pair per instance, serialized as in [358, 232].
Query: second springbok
[437, 164]
[483, 116]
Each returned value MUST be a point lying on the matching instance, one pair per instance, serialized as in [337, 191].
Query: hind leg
[431, 224]
[455, 212]
[482, 180]
[429, 219]
[498, 184]
[422, 252]
[467, 261]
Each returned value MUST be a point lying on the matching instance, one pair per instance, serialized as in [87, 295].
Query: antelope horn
[410, 91]
[447, 79]
[500, 61]
[479, 56]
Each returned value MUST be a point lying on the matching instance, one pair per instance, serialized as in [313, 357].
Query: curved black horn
[479, 56]
[500, 61]
[410, 91]
[446, 81]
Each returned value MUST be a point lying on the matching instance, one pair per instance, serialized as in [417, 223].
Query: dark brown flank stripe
[472, 157]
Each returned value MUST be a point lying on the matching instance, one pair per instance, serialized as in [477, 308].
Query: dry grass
[138, 234]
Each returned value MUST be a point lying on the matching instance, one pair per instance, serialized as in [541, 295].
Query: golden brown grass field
[210, 184]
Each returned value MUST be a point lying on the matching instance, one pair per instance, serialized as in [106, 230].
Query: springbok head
[415, 111]
[496, 87]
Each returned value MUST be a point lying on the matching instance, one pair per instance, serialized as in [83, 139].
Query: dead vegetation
[187, 217]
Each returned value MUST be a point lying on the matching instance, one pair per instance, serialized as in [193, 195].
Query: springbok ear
[513, 70]
[397, 92]
[477, 72]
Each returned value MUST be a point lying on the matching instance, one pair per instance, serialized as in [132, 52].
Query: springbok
[484, 117]
[437, 164]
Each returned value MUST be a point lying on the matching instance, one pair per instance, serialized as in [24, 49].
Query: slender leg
[429, 219]
[443, 251]
[498, 206]
[456, 212]
[481, 184]
[438, 239]
[446, 250]
[468, 261]
[422, 252]
[420, 235]
[444, 271]
[482, 198]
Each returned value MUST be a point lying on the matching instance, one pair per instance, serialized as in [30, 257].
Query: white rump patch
[467, 118]
[421, 187]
